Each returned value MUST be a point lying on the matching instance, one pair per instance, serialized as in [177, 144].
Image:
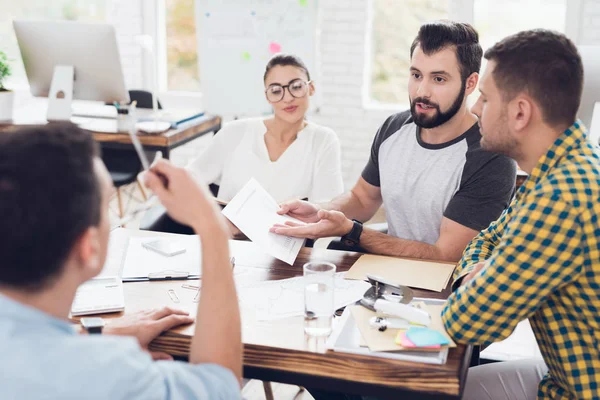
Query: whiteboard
[236, 39]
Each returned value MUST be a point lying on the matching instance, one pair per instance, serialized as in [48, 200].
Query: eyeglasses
[297, 88]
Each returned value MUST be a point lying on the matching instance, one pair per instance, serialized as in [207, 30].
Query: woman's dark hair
[285, 60]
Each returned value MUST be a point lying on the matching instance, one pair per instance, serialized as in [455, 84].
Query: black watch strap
[352, 238]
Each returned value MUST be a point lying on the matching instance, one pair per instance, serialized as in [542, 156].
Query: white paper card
[254, 212]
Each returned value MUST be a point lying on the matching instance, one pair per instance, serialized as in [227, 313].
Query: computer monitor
[91, 49]
[590, 55]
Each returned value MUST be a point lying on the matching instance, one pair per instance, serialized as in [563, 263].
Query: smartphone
[165, 248]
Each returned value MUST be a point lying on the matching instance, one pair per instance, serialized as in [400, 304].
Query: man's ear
[471, 83]
[88, 251]
[521, 110]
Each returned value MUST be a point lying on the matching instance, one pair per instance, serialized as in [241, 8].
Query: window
[496, 20]
[395, 24]
[74, 10]
[182, 72]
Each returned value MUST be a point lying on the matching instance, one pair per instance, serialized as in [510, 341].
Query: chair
[124, 165]
[156, 219]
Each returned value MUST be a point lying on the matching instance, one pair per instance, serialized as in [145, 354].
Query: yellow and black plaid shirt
[543, 263]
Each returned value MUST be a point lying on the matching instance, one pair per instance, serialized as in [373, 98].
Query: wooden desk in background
[278, 350]
[106, 133]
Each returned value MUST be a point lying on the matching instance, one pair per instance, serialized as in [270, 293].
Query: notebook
[99, 295]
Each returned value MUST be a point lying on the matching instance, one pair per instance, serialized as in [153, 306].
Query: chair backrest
[143, 98]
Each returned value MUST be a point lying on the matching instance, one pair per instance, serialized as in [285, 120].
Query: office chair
[124, 165]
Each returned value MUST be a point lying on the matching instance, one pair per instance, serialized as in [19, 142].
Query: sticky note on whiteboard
[274, 47]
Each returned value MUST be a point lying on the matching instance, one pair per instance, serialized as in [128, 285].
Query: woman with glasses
[291, 157]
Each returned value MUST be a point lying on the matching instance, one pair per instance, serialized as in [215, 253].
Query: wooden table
[106, 132]
[279, 351]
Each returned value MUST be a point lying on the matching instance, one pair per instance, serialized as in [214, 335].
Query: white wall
[343, 54]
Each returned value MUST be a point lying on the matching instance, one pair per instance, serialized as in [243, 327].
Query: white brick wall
[342, 70]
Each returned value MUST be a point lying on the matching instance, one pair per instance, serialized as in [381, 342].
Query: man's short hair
[438, 35]
[49, 195]
[544, 64]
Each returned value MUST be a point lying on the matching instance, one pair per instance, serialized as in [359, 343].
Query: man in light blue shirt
[54, 195]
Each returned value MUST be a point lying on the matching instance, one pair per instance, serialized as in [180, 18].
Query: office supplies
[99, 295]
[413, 273]
[403, 341]
[426, 337]
[387, 298]
[382, 323]
[377, 340]
[174, 117]
[143, 264]
[254, 212]
[346, 338]
[173, 295]
[192, 287]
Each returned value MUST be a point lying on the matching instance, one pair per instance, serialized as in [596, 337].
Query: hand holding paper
[254, 212]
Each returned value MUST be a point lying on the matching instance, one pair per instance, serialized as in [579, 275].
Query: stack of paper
[353, 334]
[254, 212]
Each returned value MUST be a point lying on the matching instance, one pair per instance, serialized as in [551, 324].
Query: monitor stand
[60, 96]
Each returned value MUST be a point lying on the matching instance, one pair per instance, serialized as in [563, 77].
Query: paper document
[385, 341]
[347, 338]
[99, 295]
[285, 298]
[254, 212]
[117, 245]
[141, 263]
[413, 273]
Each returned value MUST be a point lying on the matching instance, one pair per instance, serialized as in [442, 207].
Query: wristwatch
[352, 238]
[92, 325]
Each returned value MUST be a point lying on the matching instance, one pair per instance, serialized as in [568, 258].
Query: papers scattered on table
[99, 295]
[144, 264]
[285, 298]
[117, 246]
[254, 212]
[413, 273]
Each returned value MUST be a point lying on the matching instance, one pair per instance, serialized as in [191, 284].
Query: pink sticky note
[403, 341]
[274, 47]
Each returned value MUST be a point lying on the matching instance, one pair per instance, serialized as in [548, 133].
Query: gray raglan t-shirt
[421, 183]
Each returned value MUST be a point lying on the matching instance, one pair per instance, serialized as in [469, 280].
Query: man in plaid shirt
[541, 259]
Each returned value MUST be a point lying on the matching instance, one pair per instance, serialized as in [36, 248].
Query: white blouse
[309, 168]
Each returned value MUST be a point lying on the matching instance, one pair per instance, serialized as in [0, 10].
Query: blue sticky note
[426, 337]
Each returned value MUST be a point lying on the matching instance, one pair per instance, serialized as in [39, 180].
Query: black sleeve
[391, 125]
[486, 190]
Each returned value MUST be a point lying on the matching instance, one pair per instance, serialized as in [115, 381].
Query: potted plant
[6, 96]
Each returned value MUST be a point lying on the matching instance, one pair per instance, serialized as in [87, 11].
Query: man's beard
[440, 117]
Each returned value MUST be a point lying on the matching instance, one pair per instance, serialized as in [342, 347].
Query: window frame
[153, 24]
[458, 10]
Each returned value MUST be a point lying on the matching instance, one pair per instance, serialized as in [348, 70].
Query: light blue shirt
[41, 357]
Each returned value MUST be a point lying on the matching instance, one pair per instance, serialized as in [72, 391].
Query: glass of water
[318, 297]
